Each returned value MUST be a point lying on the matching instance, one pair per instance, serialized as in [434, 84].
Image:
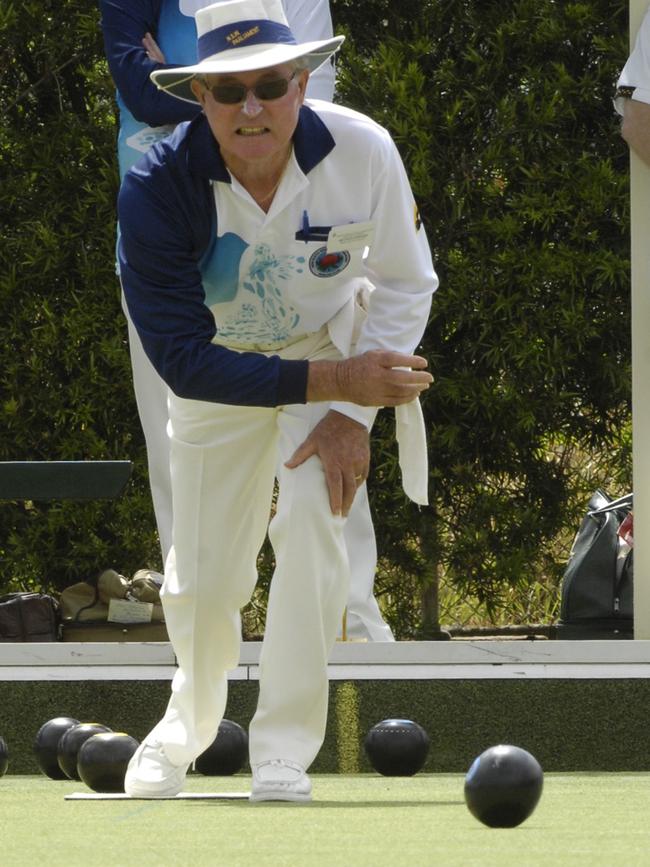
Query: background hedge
[503, 115]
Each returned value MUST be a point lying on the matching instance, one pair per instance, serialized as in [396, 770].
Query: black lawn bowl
[226, 754]
[70, 744]
[397, 747]
[4, 757]
[46, 745]
[503, 786]
[103, 759]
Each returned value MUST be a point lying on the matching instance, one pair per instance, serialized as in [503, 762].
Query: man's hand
[376, 378]
[151, 47]
[342, 445]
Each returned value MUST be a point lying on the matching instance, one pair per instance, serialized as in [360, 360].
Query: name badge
[351, 236]
[126, 611]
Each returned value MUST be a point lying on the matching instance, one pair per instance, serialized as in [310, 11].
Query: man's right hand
[378, 377]
[152, 48]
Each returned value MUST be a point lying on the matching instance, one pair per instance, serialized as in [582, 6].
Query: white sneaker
[150, 774]
[280, 780]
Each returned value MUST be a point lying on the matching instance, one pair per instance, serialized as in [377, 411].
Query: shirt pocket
[322, 282]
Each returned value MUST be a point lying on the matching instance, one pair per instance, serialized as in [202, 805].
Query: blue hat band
[241, 35]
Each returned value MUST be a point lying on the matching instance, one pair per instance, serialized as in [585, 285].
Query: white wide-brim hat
[242, 36]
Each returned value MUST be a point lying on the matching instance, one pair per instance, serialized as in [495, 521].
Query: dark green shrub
[503, 114]
[64, 366]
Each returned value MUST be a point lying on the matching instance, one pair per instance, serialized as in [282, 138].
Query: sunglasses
[266, 91]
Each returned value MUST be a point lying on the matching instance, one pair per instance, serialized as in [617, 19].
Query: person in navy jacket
[135, 34]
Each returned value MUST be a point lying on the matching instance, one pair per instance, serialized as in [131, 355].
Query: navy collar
[312, 142]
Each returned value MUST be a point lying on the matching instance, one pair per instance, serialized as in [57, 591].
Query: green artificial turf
[355, 820]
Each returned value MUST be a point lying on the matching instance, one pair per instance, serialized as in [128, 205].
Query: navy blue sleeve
[167, 222]
[124, 24]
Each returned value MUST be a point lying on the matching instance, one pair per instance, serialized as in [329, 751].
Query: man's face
[254, 129]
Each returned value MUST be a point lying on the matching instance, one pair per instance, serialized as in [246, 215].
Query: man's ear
[198, 90]
[303, 78]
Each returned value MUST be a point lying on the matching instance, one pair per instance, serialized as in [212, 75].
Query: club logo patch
[324, 264]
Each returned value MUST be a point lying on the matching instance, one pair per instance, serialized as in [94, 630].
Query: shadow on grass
[312, 805]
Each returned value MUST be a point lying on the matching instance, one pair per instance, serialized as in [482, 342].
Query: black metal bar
[63, 480]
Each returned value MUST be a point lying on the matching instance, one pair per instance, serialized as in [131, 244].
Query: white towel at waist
[410, 431]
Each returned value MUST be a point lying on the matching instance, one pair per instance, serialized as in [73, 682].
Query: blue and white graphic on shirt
[176, 38]
[257, 278]
[245, 290]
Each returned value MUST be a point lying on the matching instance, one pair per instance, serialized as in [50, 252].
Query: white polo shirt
[273, 277]
[634, 79]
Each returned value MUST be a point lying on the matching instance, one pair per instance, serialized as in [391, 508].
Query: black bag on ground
[597, 587]
[29, 617]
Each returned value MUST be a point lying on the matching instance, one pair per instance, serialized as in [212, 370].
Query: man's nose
[252, 106]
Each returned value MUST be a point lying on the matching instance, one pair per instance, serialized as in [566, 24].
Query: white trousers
[223, 466]
[364, 619]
